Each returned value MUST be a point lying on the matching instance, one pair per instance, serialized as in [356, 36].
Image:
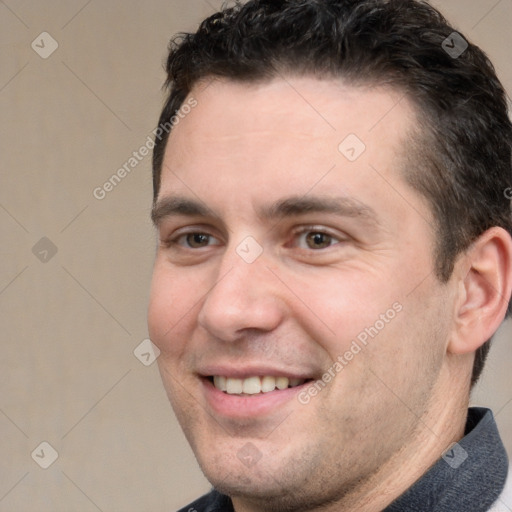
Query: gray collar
[469, 476]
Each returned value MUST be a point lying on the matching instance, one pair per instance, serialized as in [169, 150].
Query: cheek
[171, 308]
[406, 355]
[347, 307]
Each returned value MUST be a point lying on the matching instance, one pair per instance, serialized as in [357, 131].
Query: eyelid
[177, 233]
[337, 236]
[315, 228]
[211, 238]
[173, 238]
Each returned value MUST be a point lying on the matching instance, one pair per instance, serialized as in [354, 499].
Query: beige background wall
[71, 320]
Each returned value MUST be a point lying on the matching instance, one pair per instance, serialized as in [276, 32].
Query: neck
[437, 430]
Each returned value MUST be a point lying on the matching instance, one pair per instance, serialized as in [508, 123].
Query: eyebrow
[177, 205]
[294, 206]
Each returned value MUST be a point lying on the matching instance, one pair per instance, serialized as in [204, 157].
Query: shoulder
[504, 502]
[211, 502]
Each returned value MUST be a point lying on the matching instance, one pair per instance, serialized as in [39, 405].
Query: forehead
[286, 134]
[301, 105]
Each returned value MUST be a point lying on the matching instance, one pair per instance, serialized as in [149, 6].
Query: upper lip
[238, 371]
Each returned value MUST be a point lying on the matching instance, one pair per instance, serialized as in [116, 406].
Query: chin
[238, 471]
[271, 494]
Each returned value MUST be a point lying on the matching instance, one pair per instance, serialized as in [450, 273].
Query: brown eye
[318, 240]
[197, 240]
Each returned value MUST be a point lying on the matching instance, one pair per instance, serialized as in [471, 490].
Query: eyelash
[174, 241]
[316, 230]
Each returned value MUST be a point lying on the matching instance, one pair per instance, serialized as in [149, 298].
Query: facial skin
[257, 160]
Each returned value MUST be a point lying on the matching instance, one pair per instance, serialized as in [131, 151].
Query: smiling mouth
[256, 385]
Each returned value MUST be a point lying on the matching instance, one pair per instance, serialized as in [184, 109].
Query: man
[334, 257]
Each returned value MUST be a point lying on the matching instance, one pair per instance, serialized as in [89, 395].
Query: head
[460, 160]
[277, 87]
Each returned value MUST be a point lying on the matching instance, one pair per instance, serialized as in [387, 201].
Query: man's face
[282, 253]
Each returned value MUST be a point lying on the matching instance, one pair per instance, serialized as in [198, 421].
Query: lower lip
[238, 407]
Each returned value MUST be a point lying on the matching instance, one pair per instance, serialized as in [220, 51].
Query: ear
[484, 274]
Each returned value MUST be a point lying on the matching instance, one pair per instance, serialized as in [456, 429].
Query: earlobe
[485, 285]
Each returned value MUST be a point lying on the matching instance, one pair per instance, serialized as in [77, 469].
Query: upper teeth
[254, 385]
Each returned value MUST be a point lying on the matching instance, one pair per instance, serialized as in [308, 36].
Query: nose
[245, 297]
